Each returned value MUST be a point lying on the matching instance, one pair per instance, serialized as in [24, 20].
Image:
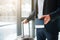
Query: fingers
[25, 21]
[42, 17]
[46, 20]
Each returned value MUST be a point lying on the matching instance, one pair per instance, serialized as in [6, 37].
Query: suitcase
[26, 37]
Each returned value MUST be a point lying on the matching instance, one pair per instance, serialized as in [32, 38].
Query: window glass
[8, 16]
[26, 8]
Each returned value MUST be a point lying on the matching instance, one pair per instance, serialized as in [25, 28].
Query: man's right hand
[25, 21]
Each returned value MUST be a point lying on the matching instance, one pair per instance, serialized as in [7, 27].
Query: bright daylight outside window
[26, 8]
[8, 16]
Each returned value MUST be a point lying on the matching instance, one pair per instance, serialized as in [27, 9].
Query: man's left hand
[46, 18]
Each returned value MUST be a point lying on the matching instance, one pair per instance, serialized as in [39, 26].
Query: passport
[39, 21]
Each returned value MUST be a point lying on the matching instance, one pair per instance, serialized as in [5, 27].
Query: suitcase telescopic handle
[24, 30]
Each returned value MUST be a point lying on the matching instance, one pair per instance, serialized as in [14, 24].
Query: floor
[8, 31]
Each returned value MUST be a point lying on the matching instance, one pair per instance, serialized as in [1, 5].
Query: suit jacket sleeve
[54, 15]
[32, 16]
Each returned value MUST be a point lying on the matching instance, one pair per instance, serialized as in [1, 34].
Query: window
[8, 17]
[26, 8]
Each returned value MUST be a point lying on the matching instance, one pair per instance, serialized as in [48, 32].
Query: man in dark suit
[51, 11]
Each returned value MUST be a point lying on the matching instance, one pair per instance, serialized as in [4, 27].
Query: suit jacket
[51, 7]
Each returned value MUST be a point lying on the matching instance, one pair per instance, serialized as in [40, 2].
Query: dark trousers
[42, 34]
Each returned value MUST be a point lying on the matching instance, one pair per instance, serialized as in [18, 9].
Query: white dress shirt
[40, 8]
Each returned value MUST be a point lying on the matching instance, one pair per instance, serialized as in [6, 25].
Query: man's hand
[46, 18]
[25, 21]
